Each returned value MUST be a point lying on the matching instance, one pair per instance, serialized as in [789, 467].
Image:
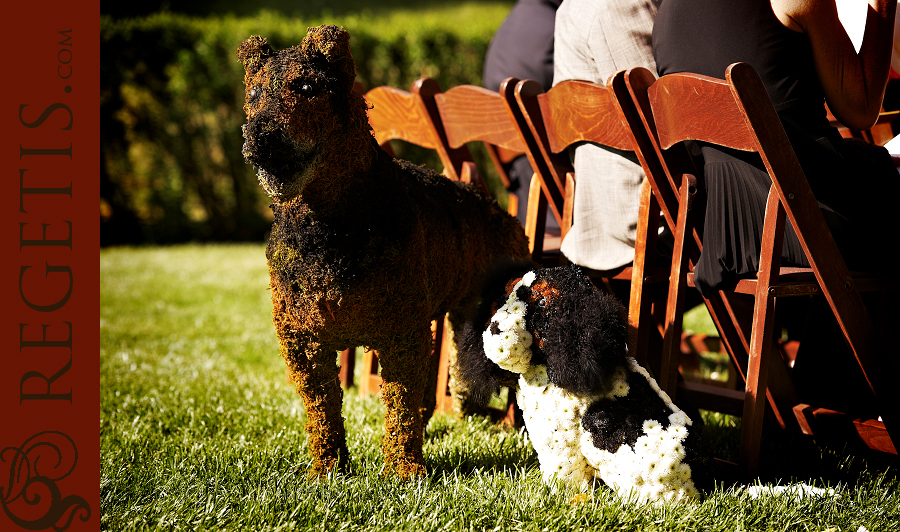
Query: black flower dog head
[551, 316]
[300, 104]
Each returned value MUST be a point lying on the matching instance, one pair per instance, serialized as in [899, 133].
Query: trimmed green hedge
[171, 109]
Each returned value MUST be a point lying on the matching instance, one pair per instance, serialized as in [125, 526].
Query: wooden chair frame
[469, 113]
[411, 117]
[569, 113]
[737, 113]
[414, 117]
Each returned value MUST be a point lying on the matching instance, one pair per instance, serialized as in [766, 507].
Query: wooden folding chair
[469, 113]
[412, 117]
[737, 113]
[573, 112]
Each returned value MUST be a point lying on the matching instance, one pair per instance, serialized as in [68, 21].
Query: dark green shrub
[171, 110]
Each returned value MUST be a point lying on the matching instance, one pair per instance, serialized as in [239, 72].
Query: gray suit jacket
[593, 40]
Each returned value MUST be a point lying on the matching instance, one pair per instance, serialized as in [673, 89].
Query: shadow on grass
[789, 456]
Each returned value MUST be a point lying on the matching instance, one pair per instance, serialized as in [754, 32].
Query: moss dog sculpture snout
[364, 249]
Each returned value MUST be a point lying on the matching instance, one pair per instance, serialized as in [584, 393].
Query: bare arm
[853, 83]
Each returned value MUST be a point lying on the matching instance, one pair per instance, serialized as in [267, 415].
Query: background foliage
[172, 96]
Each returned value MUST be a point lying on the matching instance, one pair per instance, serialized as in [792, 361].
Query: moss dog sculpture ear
[333, 44]
[253, 53]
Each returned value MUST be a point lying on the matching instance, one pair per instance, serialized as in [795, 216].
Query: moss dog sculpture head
[301, 109]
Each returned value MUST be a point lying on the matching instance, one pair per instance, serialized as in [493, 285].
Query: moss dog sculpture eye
[364, 249]
[591, 411]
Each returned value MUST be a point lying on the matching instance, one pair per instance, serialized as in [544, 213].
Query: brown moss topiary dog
[364, 250]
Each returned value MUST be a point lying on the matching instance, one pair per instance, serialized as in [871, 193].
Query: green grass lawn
[200, 430]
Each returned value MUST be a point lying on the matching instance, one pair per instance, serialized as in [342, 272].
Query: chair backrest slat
[471, 113]
[395, 114]
[698, 108]
[412, 117]
[576, 111]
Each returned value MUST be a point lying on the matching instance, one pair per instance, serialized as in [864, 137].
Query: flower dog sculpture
[364, 249]
[590, 411]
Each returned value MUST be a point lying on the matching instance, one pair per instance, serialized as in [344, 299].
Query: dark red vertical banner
[49, 267]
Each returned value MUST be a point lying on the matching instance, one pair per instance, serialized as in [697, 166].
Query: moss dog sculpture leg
[404, 373]
[315, 374]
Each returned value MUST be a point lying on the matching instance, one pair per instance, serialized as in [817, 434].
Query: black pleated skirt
[854, 182]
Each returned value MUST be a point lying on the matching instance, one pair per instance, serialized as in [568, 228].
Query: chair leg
[347, 363]
[757, 380]
[369, 379]
[512, 205]
[442, 333]
[755, 394]
[569, 205]
[645, 253]
[668, 374]
[536, 219]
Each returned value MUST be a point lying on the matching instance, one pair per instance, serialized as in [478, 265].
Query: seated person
[595, 39]
[523, 48]
[805, 58]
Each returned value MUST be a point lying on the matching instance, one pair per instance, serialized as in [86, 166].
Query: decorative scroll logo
[31, 499]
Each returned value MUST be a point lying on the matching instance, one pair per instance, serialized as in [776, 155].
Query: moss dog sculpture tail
[364, 250]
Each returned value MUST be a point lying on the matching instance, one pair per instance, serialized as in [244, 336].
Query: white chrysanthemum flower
[679, 418]
[503, 358]
[620, 389]
[493, 349]
[525, 338]
[651, 426]
[517, 351]
[508, 338]
[514, 306]
[620, 386]
[677, 450]
[500, 315]
[676, 432]
[645, 445]
[512, 323]
[489, 339]
[535, 377]
[684, 472]
[528, 278]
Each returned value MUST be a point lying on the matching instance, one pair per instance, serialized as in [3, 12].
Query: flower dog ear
[483, 377]
[253, 53]
[586, 340]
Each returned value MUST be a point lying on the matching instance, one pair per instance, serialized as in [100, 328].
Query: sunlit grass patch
[200, 430]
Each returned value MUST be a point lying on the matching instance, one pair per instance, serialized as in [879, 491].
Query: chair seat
[838, 425]
[802, 282]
